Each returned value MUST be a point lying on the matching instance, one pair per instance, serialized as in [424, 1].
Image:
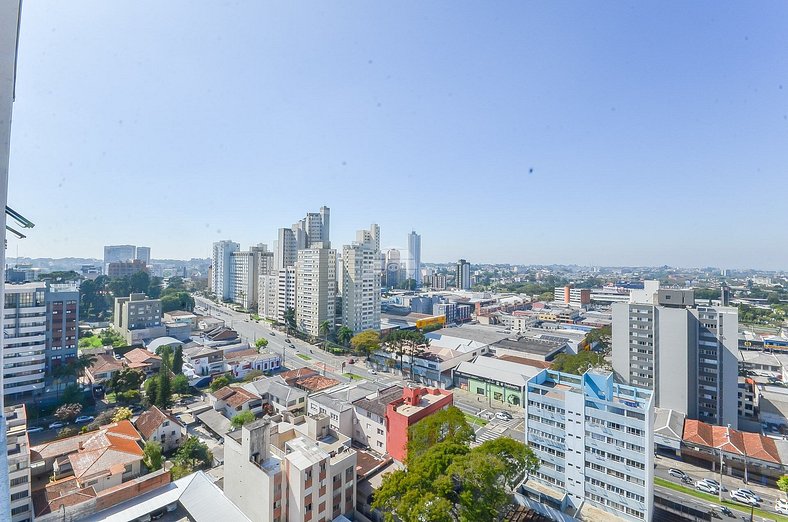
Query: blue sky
[657, 131]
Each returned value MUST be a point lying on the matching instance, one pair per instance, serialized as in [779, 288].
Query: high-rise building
[62, 301]
[393, 268]
[245, 270]
[304, 471]
[221, 262]
[594, 439]
[315, 288]
[25, 333]
[413, 270]
[285, 292]
[463, 275]
[114, 253]
[686, 354]
[361, 281]
[143, 254]
[18, 454]
[267, 295]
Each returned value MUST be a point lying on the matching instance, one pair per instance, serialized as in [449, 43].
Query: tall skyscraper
[361, 281]
[113, 253]
[393, 267]
[143, 254]
[315, 288]
[285, 248]
[221, 261]
[414, 257]
[686, 353]
[463, 275]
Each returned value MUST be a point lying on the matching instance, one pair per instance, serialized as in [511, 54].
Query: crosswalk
[494, 430]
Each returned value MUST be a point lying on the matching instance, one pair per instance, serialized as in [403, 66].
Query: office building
[594, 439]
[143, 254]
[118, 269]
[300, 470]
[62, 302]
[571, 296]
[393, 268]
[413, 267]
[463, 275]
[285, 292]
[138, 318]
[221, 261]
[683, 352]
[24, 349]
[315, 289]
[18, 454]
[361, 281]
[114, 253]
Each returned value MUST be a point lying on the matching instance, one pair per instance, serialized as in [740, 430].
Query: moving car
[781, 506]
[727, 511]
[750, 493]
[351, 361]
[57, 425]
[706, 487]
[744, 499]
[373, 372]
[503, 415]
[34, 429]
[714, 483]
[82, 419]
[676, 473]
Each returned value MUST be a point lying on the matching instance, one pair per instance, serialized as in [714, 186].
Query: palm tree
[82, 363]
[323, 328]
[344, 334]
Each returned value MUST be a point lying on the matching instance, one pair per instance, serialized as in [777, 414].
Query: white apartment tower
[686, 354]
[245, 271]
[267, 295]
[315, 288]
[285, 291]
[413, 261]
[25, 333]
[361, 281]
[221, 261]
[595, 441]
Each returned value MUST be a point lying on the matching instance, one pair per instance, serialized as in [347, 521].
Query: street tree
[121, 414]
[344, 335]
[261, 343]
[68, 412]
[782, 483]
[151, 455]
[366, 342]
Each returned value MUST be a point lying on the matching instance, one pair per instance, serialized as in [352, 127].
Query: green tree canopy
[151, 455]
[782, 483]
[121, 414]
[194, 454]
[447, 425]
[602, 336]
[261, 343]
[579, 363]
[344, 335]
[242, 418]
[180, 384]
[127, 379]
[219, 382]
[366, 342]
[177, 360]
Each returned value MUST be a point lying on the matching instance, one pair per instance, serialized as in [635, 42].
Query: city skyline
[640, 126]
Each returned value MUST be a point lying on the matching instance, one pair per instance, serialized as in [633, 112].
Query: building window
[479, 391]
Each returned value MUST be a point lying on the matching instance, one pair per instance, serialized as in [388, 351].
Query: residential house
[244, 361]
[231, 400]
[277, 396]
[370, 413]
[143, 360]
[162, 427]
[103, 368]
[337, 403]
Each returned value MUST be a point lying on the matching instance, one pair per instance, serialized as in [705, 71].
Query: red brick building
[414, 405]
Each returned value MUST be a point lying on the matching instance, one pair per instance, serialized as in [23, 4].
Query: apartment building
[315, 288]
[686, 354]
[25, 347]
[463, 275]
[285, 292]
[370, 413]
[62, 302]
[414, 405]
[360, 281]
[119, 269]
[267, 295]
[413, 261]
[137, 318]
[18, 452]
[297, 469]
[594, 439]
[221, 261]
[393, 268]
[245, 270]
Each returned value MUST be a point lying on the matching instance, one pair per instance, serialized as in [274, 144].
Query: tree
[72, 393]
[66, 431]
[180, 384]
[164, 387]
[324, 328]
[127, 379]
[242, 418]
[579, 363]
[81, 364]
[151, 390]
[447, 425]
[519, 460]
[177, 360]
[261, 343]
[366, 342]
[121, 414]
[290, 318]
[177, 301]
[151, 455]
[68, 412]
[128, 396]
[782, 483]
[344, 335]
[601, 336]
[219, 382]
[194, 454]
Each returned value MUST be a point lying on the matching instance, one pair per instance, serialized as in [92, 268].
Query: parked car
[706, 487]
[781, 506]
[744, 499]
[34, 429]
[503, 415]
[83, 419]
[715, 484]
[750, 493]
[57, 425]
[288, 341]
[676, 473]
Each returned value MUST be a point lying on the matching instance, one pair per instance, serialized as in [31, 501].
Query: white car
[373, 372]
[503, 415]
[83, 419]
[744, 499]
[781, 506]
[706, 487]
[750, 493]
[34, 429]
[676, 473]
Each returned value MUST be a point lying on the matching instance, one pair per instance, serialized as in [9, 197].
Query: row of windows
[615, 505]
[616, 489]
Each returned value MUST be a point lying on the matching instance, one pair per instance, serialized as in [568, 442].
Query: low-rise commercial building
[495, 380]
[138, 318]
[414, 405]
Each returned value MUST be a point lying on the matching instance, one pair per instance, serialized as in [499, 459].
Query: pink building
[402, 413]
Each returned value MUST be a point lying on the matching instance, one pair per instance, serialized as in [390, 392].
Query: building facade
[315, 289]
[221, 261]
[285, 292]
[686, 354]
[574, 297]
[594, 439]
[18, 451]
[245, 270]
[143, 254]
[138, 318]
[463, 275]
[118, 269]
[361, 281]
[402, 413]
[62, 301]
[115, 253]
[413, 262]
[25, 347]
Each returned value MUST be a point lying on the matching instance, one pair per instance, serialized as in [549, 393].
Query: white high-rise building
[285, 292]
[686, 354]
[361, 281]
[220, 269]
[393, 267]
[594, 439]
[285, 248]
[315, 288]
[267, 297]
[413, 261]
[245, 273]
[25, 333]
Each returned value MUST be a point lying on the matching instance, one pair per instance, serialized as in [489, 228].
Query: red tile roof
[294, 375]
[105, 363]
[150, 420]
[737, 442]
[760, 447]
[138, 355]
[234, 396]
[107, 451]
[316, 383]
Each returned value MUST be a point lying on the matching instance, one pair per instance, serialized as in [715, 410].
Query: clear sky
[527, 132]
